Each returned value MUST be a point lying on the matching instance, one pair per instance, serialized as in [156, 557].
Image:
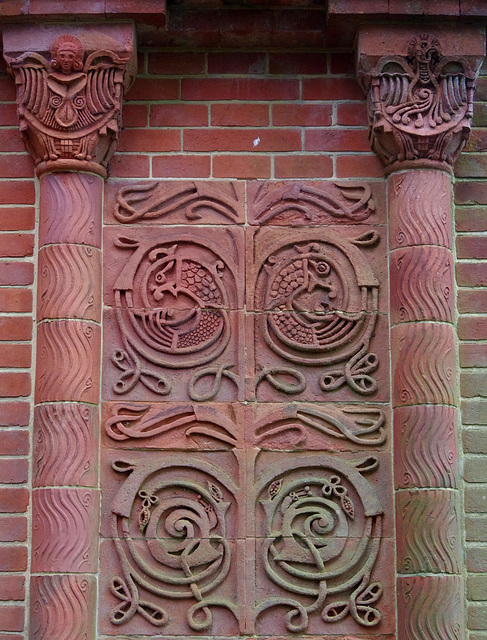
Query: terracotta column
[420, 92]
[70, 88]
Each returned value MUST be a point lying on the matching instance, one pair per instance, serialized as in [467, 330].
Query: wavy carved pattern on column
[430, 607]
[68, 356]
[63, 522]
[71, 209]
[430, 534]
[59, 606]
[69, 282]
[65, 447]
[425, 445]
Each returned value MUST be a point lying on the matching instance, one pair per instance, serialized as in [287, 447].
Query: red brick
[13, 529]
[472, 300]
[154, 89]
[229, 62]
[135, 115]
[477, 140]
[16, 328]
[298, 63]
[12, 618]
[289, 166]
[471, 165]
[181, 166]
[179, 115]
[245, 167]
[254, 89]
[7, 90]
[471, 274]
[336, 140]
[16, 166]
[470, 192]
[16, 245]
[149, 140]
[471, 218]
[16, 218]
[363, 166]
[13, 443]
[16, 273]
[15, 300]
[473, 355]
[473, 384]
[8, 115]
[472, 247]
[14, 470]
[176, 64]
[129, 166]
[332, 89]
[352, 114]
[13, 500]
[14, 414]
[13, 384]
[15, 355]
[12, 588]
[240, 115]
[11, 140]
[301, 115]
[342, 63]
[242, 140]
[17, 191]
[472, 327]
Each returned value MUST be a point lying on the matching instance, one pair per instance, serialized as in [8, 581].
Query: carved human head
[424, 48]
[67, 54]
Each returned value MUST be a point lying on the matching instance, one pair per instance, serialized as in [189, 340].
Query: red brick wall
[241, 115]
[471, 246]
[17, 241]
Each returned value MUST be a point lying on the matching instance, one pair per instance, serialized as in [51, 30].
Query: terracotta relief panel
[246, 436]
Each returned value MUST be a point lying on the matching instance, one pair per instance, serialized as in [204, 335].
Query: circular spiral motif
[175, 312]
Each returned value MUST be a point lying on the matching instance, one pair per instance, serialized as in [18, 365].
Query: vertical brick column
[69, 101]
[420, 92]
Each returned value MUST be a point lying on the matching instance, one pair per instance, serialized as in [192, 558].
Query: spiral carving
[68, 361]
[426, 447]
[171, 536]
[69, 282]
[430, 607]
[64, 521]
[421, 284]
[429, 537]
[420, 209]
[70, 204]
[423, 364]
[65, 445]
[322, 539]
[61, 607]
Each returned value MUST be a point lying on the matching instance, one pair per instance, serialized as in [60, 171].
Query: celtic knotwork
[323, 527]
[170, 533]
[319, 298]
[172, 307]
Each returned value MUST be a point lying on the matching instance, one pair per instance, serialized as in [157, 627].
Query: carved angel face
[66, 60]
[67, 54]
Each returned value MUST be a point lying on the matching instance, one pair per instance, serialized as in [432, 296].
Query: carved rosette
[420, 105]
[69, 104]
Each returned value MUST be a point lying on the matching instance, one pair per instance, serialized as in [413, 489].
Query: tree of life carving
[172, 310]
[319, 301]
[170, 533]
[69, 107]
[323, 528]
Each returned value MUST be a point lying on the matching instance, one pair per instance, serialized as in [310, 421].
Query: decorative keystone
[420, 94]
[69, 99]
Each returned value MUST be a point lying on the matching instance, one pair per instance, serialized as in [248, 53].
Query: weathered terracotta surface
[69, 101]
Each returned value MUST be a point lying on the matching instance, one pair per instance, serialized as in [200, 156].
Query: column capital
[70, 84]
[420, 89]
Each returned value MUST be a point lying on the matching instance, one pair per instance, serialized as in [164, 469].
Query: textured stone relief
[69, 105]
[312, 203]
[175, 202]
[316, 307]
[176, 306]
[420, 105]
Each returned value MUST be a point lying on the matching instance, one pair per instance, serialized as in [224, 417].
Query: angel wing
[33, 70]
[104, 71]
